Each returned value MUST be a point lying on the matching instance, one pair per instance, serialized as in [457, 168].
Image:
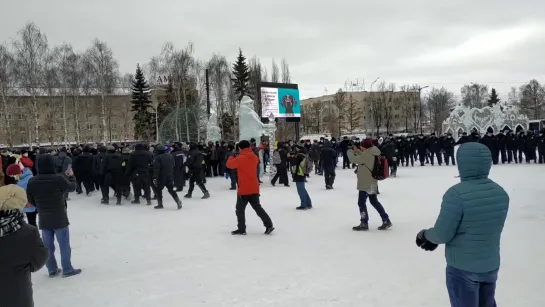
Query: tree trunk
[65, 121]
[103, 117]
[36, 123]
[76, 119]
[186, 114]
[176, 120]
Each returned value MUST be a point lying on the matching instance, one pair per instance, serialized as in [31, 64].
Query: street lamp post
[420, 100]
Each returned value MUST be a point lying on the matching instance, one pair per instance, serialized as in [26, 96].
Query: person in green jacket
[470, 224]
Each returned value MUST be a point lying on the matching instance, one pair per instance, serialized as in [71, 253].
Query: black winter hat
[243, 144]
[489, 130]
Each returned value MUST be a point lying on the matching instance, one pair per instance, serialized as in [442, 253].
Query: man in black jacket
[448, 147]
[163, 168]
[501, 146]
[422, 147]
[97, 160]
[83, 169]
[434, 146]
[46, 192]
[489, 140]
[138, 169]
[328, 157]
[511, 145]
[194, 164]
[179, 168]
[282, 167]
[345, 143]
[111, 169]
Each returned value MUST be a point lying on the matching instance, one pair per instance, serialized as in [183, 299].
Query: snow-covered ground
[135, 256]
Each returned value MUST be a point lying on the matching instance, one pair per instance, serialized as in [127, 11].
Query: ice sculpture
[464, 119]
[250, 126]
[213, 132]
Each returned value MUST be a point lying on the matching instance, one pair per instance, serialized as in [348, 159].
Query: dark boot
[268, 230]
[385, 225]
[105, 201]
[73, 273]
[187, 195]
[361, 227]
[159, 205]
[178, 203]
[136, 200]
[238, 232]
[206, 195]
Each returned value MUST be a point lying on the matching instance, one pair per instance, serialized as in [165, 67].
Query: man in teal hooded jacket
[470, 224]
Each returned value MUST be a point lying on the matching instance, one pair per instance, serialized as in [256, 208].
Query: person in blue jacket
[22, 175]
[470, 224]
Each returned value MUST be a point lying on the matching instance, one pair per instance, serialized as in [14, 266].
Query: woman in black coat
[23, 251]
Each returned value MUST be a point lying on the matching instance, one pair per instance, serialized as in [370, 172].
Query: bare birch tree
[126, 83]
[73, 76]
[275, 72]
[52, 87]
[475, 95]
[377, 106]
[30, 57]
[219, 78]
[389, 106]
[513, 98]
[199, 113]
[104, 73]
[439, 103]
[532, 99]
[316, 115]
[64, 59]
[7, 84]
[340, 103]
[177, 64]
[286, 76]
[353, 114]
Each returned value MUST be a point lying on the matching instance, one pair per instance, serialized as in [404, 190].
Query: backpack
[309, 166]
[380, 170]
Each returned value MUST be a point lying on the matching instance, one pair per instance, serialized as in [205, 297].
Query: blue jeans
[303, 194]
[467, 289]
[63, 238]
[373, 199]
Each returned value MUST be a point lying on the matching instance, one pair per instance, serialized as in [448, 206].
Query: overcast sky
[437, 43]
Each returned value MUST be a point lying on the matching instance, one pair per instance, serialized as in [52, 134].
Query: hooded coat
[23, 252]
[46, 191]
[472, 215]
[366, 162]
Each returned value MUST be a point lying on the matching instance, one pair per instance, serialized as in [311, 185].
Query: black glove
[423, 243]
[155, 182]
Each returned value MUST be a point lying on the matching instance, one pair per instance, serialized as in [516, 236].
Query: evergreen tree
[241, 73]
[493, 98]
[144, 125]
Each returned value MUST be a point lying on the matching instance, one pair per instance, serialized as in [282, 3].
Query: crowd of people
[46, 177]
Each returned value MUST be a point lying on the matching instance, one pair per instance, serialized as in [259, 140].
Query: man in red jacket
[248, 188]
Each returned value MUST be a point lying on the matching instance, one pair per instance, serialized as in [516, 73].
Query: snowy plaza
[132, 255]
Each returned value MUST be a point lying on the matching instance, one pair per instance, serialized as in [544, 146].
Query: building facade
[64, 120]
[393, 112]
